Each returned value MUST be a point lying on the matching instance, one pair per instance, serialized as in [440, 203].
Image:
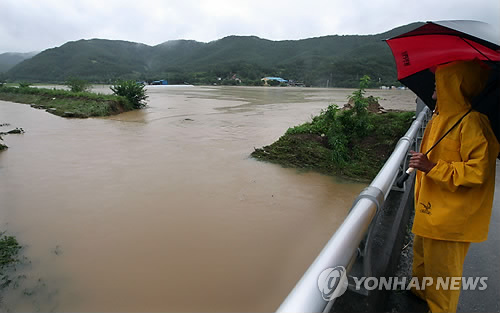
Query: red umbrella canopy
[435, 43]
[441, 42]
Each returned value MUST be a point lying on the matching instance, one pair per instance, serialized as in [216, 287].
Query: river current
[162, 209]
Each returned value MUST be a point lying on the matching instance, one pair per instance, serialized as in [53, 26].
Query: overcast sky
[36, 25]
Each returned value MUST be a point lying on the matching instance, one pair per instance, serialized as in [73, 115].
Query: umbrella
[419, 51]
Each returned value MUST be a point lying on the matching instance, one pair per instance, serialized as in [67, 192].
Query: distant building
[279, 79]
[236, 78]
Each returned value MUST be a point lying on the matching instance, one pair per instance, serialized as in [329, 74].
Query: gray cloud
[27, 25]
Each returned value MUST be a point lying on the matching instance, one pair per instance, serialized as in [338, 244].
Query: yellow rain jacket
[453, 201]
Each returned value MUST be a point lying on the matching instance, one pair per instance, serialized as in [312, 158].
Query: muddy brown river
[162, 209]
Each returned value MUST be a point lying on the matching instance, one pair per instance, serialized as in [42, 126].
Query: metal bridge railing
[342, 248]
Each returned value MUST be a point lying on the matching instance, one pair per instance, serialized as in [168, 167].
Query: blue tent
[281, 80]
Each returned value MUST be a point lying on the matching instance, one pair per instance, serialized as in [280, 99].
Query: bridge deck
[483, 259]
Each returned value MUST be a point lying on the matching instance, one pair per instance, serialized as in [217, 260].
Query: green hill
[10, 59]
[339, 59]
[94, 59]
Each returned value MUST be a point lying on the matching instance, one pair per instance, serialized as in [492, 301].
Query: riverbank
[66, 103]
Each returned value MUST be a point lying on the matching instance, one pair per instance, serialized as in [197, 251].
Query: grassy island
[352, 142]
[81, 103]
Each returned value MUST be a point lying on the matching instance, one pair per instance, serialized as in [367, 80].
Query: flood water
[162, 209]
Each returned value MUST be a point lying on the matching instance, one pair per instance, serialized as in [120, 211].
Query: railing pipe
[385, 178]
[340, 249]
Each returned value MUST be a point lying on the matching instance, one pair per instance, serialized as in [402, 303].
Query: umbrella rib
[476, 49]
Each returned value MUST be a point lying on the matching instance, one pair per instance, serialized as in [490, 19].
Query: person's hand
[420, 162]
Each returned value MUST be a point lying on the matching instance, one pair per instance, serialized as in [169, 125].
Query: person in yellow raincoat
[455, 182]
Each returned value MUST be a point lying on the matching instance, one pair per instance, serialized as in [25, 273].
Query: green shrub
[258, 82]
[273, 82]
[78, 85]
[135, 93]
[24, 85]
[231, 82]
[319, 125]
[358, 120]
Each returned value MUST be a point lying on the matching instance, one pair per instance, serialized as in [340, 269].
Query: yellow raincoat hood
[453, 201]
[457, 83]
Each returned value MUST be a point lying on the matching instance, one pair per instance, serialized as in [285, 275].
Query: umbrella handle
[404, 177]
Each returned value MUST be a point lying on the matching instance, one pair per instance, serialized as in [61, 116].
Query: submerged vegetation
[77, 102]
[13, 131]
[9, 249]
[19, 281]
[352, 142]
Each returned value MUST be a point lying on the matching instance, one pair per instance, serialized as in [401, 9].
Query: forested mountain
[10, 59]
[339, 59]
